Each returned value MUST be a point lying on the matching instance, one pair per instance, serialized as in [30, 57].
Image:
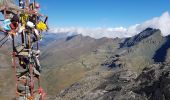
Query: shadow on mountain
[70, 37]
[160, 55]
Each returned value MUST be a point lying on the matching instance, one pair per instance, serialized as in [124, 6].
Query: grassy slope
[59, 78]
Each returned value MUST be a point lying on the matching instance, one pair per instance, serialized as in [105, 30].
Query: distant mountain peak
[128, 42]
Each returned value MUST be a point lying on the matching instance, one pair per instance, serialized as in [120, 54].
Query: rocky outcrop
[113, 61]
[152, 84]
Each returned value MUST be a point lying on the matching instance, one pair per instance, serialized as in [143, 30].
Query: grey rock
[112, 87]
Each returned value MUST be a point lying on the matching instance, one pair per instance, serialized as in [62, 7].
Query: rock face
[152, 84]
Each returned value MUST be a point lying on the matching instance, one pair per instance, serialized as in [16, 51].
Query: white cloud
[162, 23]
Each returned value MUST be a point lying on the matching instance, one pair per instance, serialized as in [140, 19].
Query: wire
[3, 43]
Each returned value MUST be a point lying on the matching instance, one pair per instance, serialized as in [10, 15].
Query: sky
[106, 18]
[101, 13]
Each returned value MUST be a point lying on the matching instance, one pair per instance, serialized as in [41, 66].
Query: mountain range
[79, 67]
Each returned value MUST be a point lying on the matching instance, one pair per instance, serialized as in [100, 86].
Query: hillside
[114, 79]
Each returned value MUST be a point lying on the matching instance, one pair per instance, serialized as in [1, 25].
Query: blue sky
[101, 13]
